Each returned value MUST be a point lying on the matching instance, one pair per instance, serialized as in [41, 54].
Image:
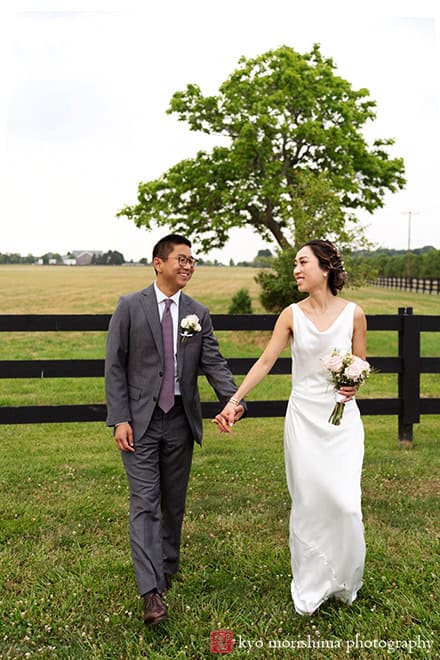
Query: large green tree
[296, 163]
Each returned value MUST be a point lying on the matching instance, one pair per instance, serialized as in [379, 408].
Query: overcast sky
[85, 86]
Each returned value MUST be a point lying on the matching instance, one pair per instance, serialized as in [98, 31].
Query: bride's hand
[348, 391]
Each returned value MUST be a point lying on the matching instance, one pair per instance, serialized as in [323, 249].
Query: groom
[151, 369]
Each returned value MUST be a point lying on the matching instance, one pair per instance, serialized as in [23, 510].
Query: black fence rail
[414, 284]
[408, 364]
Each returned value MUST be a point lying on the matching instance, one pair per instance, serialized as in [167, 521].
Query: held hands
[124, 437]
[230, 414]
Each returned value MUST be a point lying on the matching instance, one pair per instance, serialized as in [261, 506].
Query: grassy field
[40, 289]
[68, 590]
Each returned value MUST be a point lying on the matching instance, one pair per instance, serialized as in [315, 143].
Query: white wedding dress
[323, 466]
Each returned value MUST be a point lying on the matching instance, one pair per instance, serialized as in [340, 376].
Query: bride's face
[307, 271]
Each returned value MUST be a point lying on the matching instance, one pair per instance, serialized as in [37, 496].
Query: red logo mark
[222, 641]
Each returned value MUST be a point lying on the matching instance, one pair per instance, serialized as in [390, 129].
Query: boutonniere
[190, 324]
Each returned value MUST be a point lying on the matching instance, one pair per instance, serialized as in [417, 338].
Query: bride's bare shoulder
[359, 314]
[286, 315]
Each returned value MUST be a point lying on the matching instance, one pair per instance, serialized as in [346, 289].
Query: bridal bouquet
[344, 369]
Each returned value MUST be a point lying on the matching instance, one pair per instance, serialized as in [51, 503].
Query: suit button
[161, 373]
[154, 398]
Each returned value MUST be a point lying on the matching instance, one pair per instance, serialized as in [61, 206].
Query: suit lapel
[149, 305]
[184, 310]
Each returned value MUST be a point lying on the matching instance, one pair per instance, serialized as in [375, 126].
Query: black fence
[414, 284]
[408, 364]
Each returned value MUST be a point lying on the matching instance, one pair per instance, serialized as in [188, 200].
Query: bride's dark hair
[331, 262]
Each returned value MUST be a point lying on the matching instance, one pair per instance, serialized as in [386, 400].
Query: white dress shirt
[174, 309]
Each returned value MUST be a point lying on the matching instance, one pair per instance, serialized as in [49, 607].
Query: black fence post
[409, 377]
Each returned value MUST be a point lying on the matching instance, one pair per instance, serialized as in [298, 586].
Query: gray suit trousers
[158, 473]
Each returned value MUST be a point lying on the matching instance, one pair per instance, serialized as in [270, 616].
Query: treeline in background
[383, 262]
[421, 262]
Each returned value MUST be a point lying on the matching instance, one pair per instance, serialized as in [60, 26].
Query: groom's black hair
[166, 244]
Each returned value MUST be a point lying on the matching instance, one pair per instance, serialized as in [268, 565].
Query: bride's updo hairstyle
[331, 262]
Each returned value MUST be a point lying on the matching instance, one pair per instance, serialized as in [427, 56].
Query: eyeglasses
[186, 261]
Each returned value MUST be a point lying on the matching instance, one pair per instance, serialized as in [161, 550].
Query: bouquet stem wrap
[338, 410]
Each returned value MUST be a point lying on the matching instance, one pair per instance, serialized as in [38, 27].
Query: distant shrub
[241, 303]
[278, 285]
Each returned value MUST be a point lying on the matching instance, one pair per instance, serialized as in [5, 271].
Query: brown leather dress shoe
[154, 609]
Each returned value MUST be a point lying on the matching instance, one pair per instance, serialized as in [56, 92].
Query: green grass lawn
[68, 589]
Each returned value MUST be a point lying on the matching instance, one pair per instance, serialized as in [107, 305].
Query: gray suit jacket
[134, 362]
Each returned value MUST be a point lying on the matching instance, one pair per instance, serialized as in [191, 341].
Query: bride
[323, 461]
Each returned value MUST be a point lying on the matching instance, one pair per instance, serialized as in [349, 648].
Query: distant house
[85, 257]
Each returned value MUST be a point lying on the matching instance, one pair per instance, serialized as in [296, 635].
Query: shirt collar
[161, 296]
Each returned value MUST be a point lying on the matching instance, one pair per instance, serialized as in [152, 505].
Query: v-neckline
[331, 325]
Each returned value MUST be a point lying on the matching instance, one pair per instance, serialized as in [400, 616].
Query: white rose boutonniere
[190, 324]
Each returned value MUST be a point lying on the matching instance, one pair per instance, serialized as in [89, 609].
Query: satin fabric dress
[323, 466]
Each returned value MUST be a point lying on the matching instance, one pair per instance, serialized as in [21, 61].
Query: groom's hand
[124, 437]
[239, 411]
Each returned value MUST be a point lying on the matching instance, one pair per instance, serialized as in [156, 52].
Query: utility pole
[408, 264]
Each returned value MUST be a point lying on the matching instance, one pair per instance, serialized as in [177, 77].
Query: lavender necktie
[166, 397]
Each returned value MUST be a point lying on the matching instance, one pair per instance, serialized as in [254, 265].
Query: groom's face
[175, 272]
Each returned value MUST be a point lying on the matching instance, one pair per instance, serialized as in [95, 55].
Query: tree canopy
[296, 166]
[109, 258]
